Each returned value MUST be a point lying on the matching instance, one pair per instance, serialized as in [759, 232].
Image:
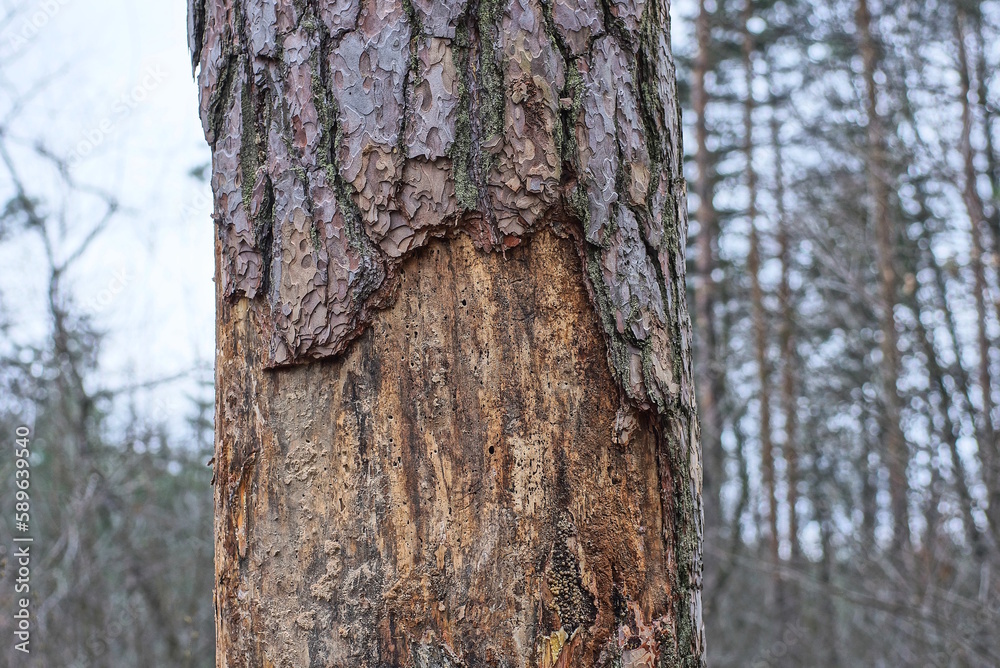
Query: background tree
[119, 498]
[864, 243]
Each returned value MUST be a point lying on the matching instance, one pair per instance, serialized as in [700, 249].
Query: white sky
[124, 90]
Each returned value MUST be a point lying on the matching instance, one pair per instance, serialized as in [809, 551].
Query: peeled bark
[455, 408]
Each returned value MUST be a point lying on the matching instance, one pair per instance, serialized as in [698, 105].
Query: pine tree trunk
[455, 408]
[759, 313]
[787, 345]
[709, 360]
[896, 449]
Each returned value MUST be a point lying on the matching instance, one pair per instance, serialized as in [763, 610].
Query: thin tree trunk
[957, 369]
[868, 473]
[708, 358]
[789, 366]
[455, 404]
[960, 377]
[757, 300]
[828, 634]
[895, 443]
[733, 543]
[977, 221]
[789, 356]
[950, 431]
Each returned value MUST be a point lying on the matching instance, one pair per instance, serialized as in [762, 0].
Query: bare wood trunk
[455, 406]
[896, 451]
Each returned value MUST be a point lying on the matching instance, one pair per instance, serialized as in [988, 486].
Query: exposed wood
[464, 482]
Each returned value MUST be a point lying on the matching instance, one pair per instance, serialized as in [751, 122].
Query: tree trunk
[709, 361]
[977, 221]
[949, 433]
[896, 451]
[455, 407]
[759, 314]
[789, 353]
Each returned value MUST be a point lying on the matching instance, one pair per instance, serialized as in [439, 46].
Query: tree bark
[455, 407]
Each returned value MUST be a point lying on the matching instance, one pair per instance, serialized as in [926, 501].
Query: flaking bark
[401, 485]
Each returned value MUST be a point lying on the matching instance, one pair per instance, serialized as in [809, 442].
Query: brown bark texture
[455, 407]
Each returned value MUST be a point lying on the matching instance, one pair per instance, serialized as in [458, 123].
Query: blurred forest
[844, 172]
[120, 496]
[121, 507]
[844, 177]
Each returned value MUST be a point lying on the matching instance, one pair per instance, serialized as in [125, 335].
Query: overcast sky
[118, 93]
